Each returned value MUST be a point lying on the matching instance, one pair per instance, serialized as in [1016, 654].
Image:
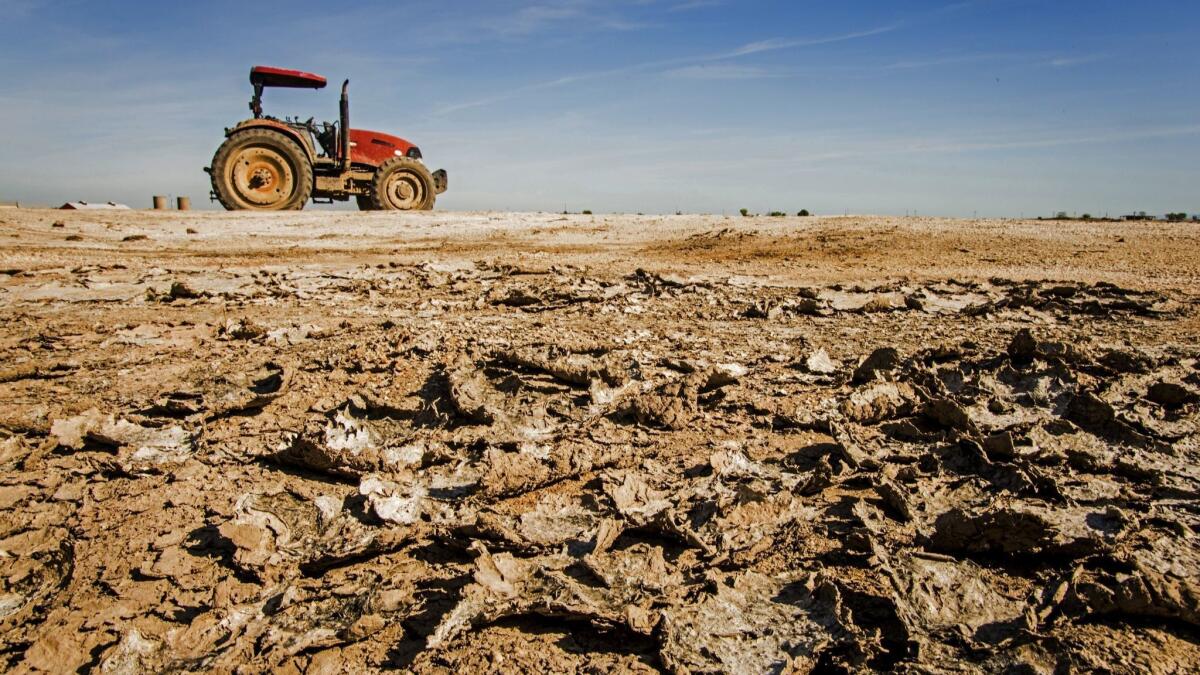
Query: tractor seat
[327, 137]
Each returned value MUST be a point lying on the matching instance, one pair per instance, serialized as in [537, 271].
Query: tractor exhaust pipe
[345, 122]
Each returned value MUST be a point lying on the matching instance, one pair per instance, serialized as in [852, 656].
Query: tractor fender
[276, 125]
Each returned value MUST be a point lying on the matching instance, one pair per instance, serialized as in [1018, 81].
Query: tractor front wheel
[402, 184]
[261, 170]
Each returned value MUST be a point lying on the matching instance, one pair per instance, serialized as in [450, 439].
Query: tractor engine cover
[374, 148]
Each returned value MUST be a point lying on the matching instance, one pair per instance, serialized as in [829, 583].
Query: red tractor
[268, 164]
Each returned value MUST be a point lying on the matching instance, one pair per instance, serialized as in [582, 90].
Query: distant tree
[1086, 216]
[778, 214]
[745, 212]
[803, 213]
[1177, 217]
[1061, 215]
[587, 212]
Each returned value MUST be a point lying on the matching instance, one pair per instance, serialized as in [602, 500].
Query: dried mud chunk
[882, 360]
[181, 291]
[633, 497]
[1170, 395]
[750, 527]
[878, 402]
[753, 624]
[736, 512]
[639, 568]
[35, 566]
[72, 432]
[762, 309]
[937, 595]
[132, 655]
[897, 498]
[225, 394]
[278, 531]
[851, 447]
[140, 450]
[554, 521]
[1125, 361]
[949, 414]
[287, 619]
[401, 504]
[673, 405]
[1113, 648]
[1163, 582]
[535, 465]
[1023, 347]
[1027, 529]
[819, 363]
[1090, 411]
[505, 586]
[305, 619]
[345, 445]
[240, 329]
[575, 369]
[13, 452]
[471, 395]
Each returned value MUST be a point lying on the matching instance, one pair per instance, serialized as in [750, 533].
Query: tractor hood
[375, 148]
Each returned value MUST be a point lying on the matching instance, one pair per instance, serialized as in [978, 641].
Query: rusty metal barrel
[160, 202]
[183, 203]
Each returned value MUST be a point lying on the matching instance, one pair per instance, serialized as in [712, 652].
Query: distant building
[85, 206]
[10, 205]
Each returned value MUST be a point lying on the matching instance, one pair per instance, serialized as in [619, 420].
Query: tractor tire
[402, 184]
[365, 203]
[261, 170]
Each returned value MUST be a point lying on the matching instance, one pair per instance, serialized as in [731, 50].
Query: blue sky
[1001, 107]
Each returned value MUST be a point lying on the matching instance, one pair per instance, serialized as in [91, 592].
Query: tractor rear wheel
[402, 184]
[262, 170]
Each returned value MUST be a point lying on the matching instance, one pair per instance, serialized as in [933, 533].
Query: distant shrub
[778, 214]
[745, 212]
[1086, 216]
[1061, 215]
[587, 212]
[803, 213]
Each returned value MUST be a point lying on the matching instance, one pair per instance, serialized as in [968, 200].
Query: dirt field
[472, 442]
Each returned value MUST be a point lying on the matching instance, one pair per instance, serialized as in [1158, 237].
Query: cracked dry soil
[330, 442]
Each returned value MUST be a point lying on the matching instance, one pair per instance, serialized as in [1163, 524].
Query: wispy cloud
[1069, 61]
[722, 72]
[775, 44]
[695, 4]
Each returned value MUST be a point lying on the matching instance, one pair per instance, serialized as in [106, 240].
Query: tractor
[269, 164]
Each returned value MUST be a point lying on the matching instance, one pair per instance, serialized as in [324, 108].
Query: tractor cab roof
[266, 76]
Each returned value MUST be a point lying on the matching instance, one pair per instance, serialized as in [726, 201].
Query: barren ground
[459, 442]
